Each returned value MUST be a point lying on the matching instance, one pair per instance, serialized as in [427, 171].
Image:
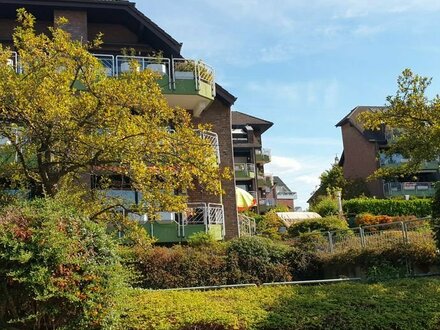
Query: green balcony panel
[171, 232]
[244, 171]
[416, 189]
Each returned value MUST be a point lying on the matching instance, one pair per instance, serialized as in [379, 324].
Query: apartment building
[124, 27]
[364, 153]
[250, 158]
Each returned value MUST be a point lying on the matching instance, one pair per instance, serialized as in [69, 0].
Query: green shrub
[391, 207]
[399, 304]
[330, 223]
[435, 222]
[201, 239]
[327, 206]
[57, 269]
[269, 226]
[304, 263]
[257, 260]
[181, 266]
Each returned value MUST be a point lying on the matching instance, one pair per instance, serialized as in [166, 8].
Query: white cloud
[301, 174]
[284, 165]
[367, 30]
[302, 141]
[315, 93]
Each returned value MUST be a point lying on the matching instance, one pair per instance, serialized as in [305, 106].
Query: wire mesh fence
[380, 236]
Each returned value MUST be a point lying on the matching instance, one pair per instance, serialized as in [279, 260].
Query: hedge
[398, 304]
[392, 207]
[329, 223]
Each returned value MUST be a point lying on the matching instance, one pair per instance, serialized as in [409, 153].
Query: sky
[303, 65]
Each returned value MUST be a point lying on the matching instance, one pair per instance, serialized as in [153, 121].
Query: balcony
[178, 227]
[287, 195]
[398, 160]
[420, 189]
[244, 171]
[185, 83]
[264, 180]
[212, 139]
[262, 156]
[13, 61]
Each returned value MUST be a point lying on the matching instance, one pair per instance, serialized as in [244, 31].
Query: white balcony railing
[108, 62]
[13, 61]
[204, 214]
[212, 139]
[287, 195]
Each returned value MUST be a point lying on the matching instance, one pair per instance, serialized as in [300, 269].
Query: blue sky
[304, 64]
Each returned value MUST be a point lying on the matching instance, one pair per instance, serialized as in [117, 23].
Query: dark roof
[280, 183]
[370, 135]
[242, 119]
[165, 40]
[225, 95]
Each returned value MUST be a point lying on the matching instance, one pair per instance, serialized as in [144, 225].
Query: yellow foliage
[65, 117]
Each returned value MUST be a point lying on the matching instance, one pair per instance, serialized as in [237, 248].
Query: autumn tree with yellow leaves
[64, 118]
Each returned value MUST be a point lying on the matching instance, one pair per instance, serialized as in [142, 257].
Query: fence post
[404, 232]
[330, 241]
[362, 236]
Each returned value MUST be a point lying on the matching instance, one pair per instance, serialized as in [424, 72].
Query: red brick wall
[219, 116]
[360, 158]
[286, 202]
[112, 33]
[77, 25]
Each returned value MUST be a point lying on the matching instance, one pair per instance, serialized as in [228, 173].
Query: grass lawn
[398, 304]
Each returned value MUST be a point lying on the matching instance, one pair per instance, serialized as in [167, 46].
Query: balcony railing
[409, 188]
[287, 195]
[263, 156]
[265, 180]
[13, 61]
[212, 139]
[267, 201]
[244, 171]
[204, 213]
[173, 71]
[398, 160]
[186, 83]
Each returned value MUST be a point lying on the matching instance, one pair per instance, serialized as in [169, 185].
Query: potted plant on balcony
[157, 63]
[186, 69]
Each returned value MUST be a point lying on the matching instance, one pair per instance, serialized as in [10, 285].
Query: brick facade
[219, 116]
[360, 158]
[77, 25]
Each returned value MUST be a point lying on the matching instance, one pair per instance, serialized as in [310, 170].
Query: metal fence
[248, 226]
[376, 236]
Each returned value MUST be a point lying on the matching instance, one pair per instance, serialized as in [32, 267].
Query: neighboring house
[364, 153]
[125, 27]
[284, 196]
[250, 157]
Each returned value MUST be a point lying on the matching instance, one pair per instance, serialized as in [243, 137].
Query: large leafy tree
[412, 122]
[64, 118]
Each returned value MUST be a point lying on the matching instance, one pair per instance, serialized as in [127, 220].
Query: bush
[327, 206]
[398, 304]
[201, 239]
[367, 219]
[179, 266]
[435, 222]
[330, 223]
[257, 260]
[391, 207]
[269, 226]
[58, 269]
